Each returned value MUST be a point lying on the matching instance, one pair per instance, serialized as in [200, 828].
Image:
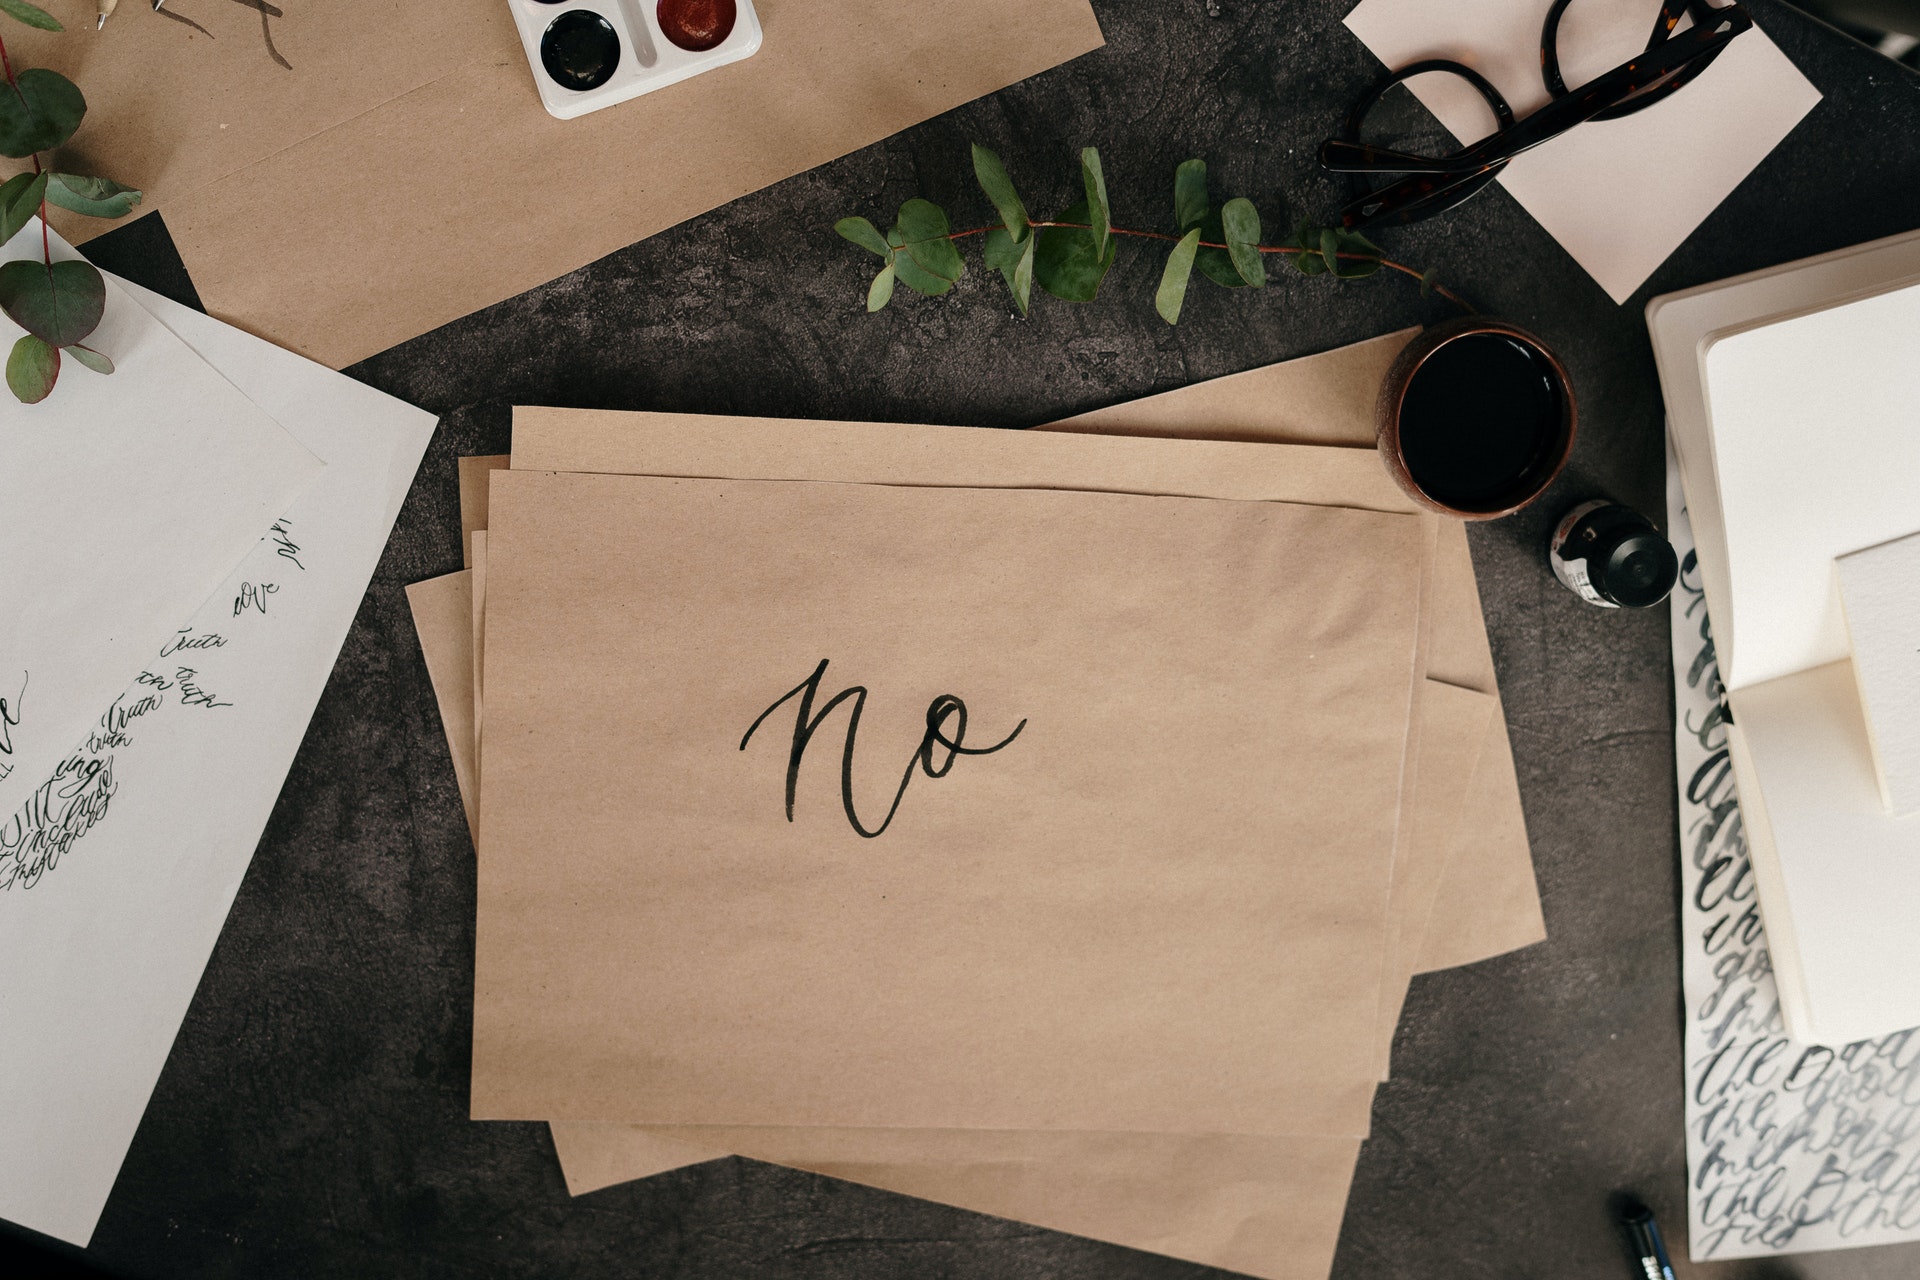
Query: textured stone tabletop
[312, 1118]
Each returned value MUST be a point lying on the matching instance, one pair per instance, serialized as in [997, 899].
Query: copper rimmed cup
[1476, 418]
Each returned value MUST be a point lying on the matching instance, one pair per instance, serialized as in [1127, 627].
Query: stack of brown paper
[1225, 1116]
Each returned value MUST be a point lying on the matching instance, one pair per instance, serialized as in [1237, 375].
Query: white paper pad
[1880, 588]
[1791, 1148]
[1619, 195]
[1815, 429]
[103, 951]
[127, 498]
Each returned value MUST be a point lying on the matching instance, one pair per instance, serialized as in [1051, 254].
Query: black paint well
[580, 50]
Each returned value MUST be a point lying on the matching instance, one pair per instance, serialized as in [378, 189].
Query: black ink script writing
[284, 545]
[9, 717]
[253, 595]
[1792, 1146]
[63, 809]
[943, 713]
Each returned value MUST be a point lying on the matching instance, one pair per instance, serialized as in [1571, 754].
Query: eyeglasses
[1672, 59]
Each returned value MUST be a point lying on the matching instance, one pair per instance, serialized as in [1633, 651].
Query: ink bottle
[1612, 556]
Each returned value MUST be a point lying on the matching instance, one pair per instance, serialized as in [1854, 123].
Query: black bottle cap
[1633, 568]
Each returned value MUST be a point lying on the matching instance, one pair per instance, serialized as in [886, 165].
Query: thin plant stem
[1290, 249]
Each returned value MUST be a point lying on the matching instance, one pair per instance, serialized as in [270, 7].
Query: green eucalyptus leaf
[61, 303]
[94, 360]
[912, 274]
[1001, 252]
[1428, 279]
[1172, 294]
[41, 112]
[1354, 242]
[32, 369]
[1022, 278]
[33, 17]
[1190, 194]
[1067, 262]
[19, 200]
[1100, 213]
[880, 293]
[1215, 264]
[1306, 238]
[95, 197]
[1241, 222]
[999, 188]
[864, 234]
[927, 237]
[1330, 251]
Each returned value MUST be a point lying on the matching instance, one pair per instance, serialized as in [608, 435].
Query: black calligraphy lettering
[944, 713]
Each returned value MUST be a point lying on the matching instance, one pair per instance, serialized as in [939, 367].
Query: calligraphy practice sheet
[115, 880]
[1791, 1148]
[115, 526]
[1070, 659]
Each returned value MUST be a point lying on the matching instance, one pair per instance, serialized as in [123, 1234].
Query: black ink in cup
[697, 25]
[1476, 418]
[580, 50]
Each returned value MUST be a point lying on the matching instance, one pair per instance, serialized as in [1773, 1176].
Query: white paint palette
[589, 54]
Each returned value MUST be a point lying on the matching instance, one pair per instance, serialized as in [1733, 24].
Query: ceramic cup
[1476, 418]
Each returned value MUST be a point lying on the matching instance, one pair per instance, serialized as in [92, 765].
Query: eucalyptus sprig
[59, 304]
[1070, 255]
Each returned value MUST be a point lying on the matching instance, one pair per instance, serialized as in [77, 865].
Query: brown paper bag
[480, 194]
[634, 619]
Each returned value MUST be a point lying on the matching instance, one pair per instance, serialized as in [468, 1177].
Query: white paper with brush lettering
[1790, 1148]
[124, 501]
[1619, 195]
[138, 864]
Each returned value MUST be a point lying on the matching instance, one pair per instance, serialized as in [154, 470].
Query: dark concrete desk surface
[312, 1118]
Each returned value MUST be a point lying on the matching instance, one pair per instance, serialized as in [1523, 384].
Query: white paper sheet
[1791, 1148]
[103, 950]
[124, 501]
[1619, 195]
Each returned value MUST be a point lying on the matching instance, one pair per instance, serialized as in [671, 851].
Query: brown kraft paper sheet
[482, 195]
[1268, 1207]
[1492, 900]
[896, 453]
[611, 598]
[1265, 1206]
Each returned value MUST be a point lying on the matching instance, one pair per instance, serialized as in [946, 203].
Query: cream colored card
[1619, 195]
[1097, 853]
